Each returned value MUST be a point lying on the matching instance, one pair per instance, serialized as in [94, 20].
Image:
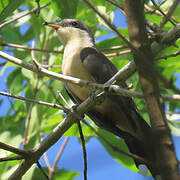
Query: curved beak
[52, 24]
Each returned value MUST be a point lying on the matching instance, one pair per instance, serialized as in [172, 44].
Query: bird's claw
[74, 109]
[99, 99]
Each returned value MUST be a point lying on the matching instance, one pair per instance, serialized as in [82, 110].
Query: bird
[116, 114]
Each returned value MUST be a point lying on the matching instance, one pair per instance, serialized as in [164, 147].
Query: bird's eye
[74, 24]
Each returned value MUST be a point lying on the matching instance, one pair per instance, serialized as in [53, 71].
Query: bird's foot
[98, 98]
[74, 110]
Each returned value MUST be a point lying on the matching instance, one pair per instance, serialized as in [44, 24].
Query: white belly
[72, 66]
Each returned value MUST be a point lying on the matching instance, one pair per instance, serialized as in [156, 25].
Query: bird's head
[71, 29]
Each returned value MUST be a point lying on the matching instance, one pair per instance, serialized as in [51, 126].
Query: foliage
[28, 121]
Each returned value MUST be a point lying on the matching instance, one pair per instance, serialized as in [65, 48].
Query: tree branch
[118, 53]
[152, 11]
[177, 53]
[169, 13]
[161, 137]
[57, 106]
[114, 89]
[110, 25]
[42, 170]
[117, 4]
[113, 48]
[84, 149]
[28, 48]
[52, 138]
[14, 150]
[25, 14]
[11, 158]
[164, 15]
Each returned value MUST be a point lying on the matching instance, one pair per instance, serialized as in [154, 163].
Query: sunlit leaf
[64, 8]
[175, 129]
[60, 174]
[15, 81]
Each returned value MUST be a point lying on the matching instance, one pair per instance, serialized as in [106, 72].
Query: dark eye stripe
[75, 24]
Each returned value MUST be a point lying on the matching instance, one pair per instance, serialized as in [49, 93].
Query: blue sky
[100, 163]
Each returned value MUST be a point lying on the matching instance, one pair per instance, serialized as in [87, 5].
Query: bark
[165, 159]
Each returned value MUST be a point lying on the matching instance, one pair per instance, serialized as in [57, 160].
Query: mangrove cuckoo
[82, 60]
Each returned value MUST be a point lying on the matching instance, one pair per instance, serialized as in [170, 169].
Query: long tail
[144, 148]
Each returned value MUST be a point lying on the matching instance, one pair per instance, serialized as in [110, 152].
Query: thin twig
[57, 106]
[29, 48]
[64, 100]
[42, 170]
[25, 14]
[177, 53]
[152, 11]
[118, 53]
[158, 8]
[115, 148]
[169, 13]
[110, 25]
[117, 4]
[58, 157]
[14, 150]
[114, 89]
[2, 64]
[38, 65]
[38, 10]
[84, 149]
[11, 158]
[47, 161]
[44, 155]
[113, 48]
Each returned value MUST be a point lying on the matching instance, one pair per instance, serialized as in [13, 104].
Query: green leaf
[109, 6]
[35, 121]
[118, 142]
[8, 36]
[30, 173]
[6, 175]
[27, 73]
[74, 131]
[3, 168]
[108, 14]
[9, 138]
[60, 174]
[65, 8]
[175, 129]
[15, 81]
[174, 124]
[109, 43]
[7, 7]
[50, 123]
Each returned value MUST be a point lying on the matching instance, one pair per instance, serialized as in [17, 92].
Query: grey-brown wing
[97, 64]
